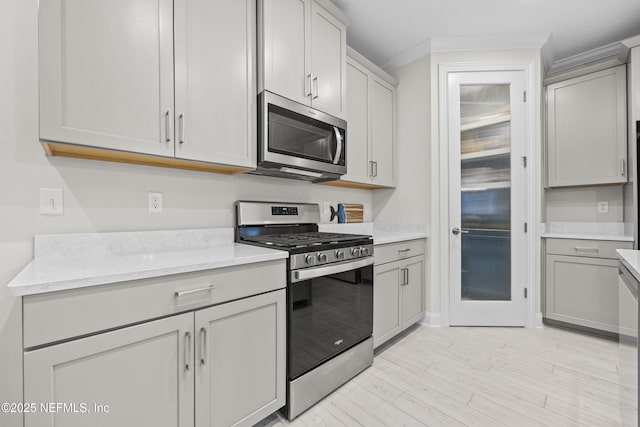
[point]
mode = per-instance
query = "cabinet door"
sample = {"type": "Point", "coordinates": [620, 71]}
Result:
{"type": "Point", "coordinates": [413, 292]}
{"type": "Point", "coordinates": [215, 81]}
{"type": "Point", "coordinates": [138, 375]}
{"type": "Point", "coordinates": [582, 291]}
{"type": "Point", "coordinates": [387, 302]}
{"type": "Point", "coordinates": [106, 74]}
{"type": "Point", "coordinates": [587, 129]}
{"type": "Point", "coordinates": [627, 306]}
{"type": "Point", "coordinates": [358, 166]}
{"type": "Point", "coordinates": [240, 358]}
{"type": "Point", "coordinates": [382, 117]}
{"type": "Point", "coordinates": [328, 62]}
{"type": "Point", "coordinates": [286, 35]}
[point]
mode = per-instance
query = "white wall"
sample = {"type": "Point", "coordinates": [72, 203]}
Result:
{"type": "Point", "coordinates": [98, 196]}
{"type": "Point", "coordinates": [580, 204]}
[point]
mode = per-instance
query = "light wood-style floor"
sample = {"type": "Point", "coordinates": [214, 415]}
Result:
{"type": "Point", "coordinates": [486, 377]}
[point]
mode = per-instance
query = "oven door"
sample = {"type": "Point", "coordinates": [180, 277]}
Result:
{"type": "Point", "coordinates": [330, 310]}
{"type": "Point", "coordinates": [295, 135]}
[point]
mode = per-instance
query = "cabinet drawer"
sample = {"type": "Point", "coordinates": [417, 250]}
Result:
{"type": "Point", "coordinates": [586, 248]}
{"type": "Point", "coordinates": [395, 251]}
{"type": "Point", "coordinates": [66, 314]}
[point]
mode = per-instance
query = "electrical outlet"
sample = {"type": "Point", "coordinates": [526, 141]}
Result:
{"type": "Point", "coordinates": [154, 202]}
{"type": "Point", "coordinates": [51, 201]}
{"type": "Point", "coordinates": [603, 207]}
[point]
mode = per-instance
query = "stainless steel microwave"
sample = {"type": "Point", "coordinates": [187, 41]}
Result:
{"type": "Point", "coordinates": [296, 141]}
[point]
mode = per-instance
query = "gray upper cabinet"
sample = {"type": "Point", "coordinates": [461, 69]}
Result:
{"type": "Point", "coordinates": [302, 52]}
{"type": "Point", "coordinates": [586, 130]}
{"type": "Point", "coordinates": [97, 87]}
{"type": "Point", "coordinates": [371, 124]}
{"type": "Point", "coordinates": [168, 78]}
{"type": "Point", "coordinates": [216, 91]}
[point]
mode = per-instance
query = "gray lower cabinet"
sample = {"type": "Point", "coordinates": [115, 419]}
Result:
{"type": "Point", "coordinates": [137, 375]}
{"type": "Point", "coordinates": [398, 290]}
{"type": "Point", "coordinates": [226, 361]}
{"type": "Point", "coordinates": [582, 283]}
{"type": "Point", "coordinates": [240, 358]}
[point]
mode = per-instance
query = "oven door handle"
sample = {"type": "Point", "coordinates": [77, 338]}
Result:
{"type": "Point", "coordinates": [312, 273]}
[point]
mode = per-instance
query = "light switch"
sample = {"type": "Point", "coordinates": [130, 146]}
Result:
{"type": "Point", "coordinates": [51, 202]}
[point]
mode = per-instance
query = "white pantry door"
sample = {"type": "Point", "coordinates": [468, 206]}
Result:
{"type": "Point", "coordinates": [487, 257]}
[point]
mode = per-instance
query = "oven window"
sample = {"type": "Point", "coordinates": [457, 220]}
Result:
{"type": "Point", "coordinates": [296, 135]}
{"type": "Point", "coordinates": [328, 315]}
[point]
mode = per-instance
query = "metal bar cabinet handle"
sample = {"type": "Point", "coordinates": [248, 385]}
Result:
{"type": "Point", "coordinates": [203, 348]}
{"type": "Point", "coordinates": [193, 291]}
{"type": "Point", "coordinates": [187, 350]}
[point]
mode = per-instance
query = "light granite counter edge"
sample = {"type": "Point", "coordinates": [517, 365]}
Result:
{"type": "Point", "coordinates": [24, 283]}
{"type": "Point", "coordinates": [630, 258]}
{"type": "Point", "coordinates": [612, 238]}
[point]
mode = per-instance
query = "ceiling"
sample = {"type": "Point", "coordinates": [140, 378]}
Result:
{"type": "Point", "coordinates": [382, 30]}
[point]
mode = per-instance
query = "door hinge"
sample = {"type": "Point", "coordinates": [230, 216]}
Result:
{"type": "Point", "coordinates": [524, 161]}
{"type": "Point", "coordinates": [524, 96]}
{"type": "Point", "coordinates": [525, 292]}
{"type": "Point", "coordinates": [526, 227]}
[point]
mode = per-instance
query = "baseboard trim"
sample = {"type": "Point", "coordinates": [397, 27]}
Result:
{"type": "Point", "coordinates": [538, 323]}
{"type": "Point", "coordinates": [431, 319]}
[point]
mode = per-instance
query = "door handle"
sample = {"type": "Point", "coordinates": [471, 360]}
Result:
{"type": "Point", "coordinates": [308, 92]}
{"type": "Point", "coordinates": [457, 231]}
{"type": "Point", "coordinates": [375, 169]}
{"type": "Point", "coordinates": [203, 347]}
{"type": "Point", "coordinates": [167, 126]}
{"type": "Point", "coordinates": [315, 86]}
{"type": "Point", "coordinates": [181, 129]}
{"type": "Point", "coordinates": [405, 276]}
{"type": "Point", "coordinates": [187, 350]}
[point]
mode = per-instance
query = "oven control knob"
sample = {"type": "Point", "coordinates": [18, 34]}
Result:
{"type": "Point", "coordinates": [364, 251]}
{"type": "Point", "coordinates": [322, 257]}
{"type": "Point", "coordinates": [310, 259]}
{"type": "Point", "coordinates": [340, 254]}
{"type": "Point", "coordinates": [356, 251]}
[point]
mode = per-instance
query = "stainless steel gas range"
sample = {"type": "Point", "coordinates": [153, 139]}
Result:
{"type": "Point", "coordinates": [329, 297]}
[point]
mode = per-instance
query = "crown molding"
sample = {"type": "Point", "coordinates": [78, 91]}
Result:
{"type": "Point", "coordinates": [456, 44]}
{"type": "Point", "coordinates": [408, 56]}
{"type": "Point", "coordinates": [493, 42]}
{"type": "Point", "coordinates": [358, 57]}
{"type": "Point", "coordinates": [599, 54]}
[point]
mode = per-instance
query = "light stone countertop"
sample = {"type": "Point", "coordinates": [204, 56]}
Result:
{"type": "Point", "coordinates": [631, 259]}
{"type": "Point", "coordinates": [382, 233]}
{"type": "Point", "coordinates": [73, 261]}
{"type": "Point", "coordinates": [613, 231]}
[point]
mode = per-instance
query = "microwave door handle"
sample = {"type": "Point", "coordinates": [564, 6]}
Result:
{"type": "Point", "coordinates": [339, 144]}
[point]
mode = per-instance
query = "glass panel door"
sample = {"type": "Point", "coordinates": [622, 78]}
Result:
{"type": "Point", "coordinates": [486, 188]}
{"type": "Point", "coordinates": [485, 156]}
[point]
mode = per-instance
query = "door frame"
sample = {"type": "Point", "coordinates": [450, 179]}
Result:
{"type": "Point", "coordinates": [532, 176]}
